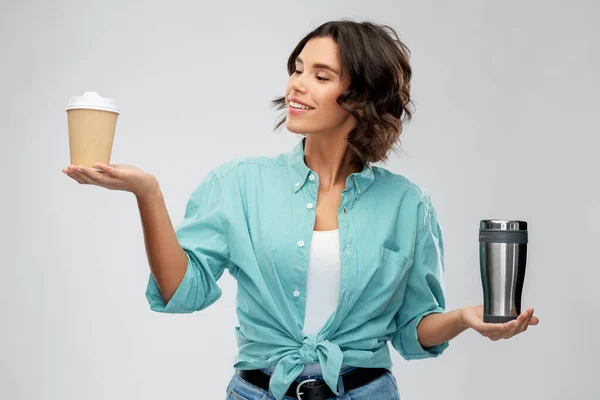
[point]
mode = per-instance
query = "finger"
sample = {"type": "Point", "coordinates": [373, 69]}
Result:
{"type": "Point", "coordinates": [514, 323]}
{"type": "Point", "coordinates": [526, 323]}
{"type": "Point", "coordinates": [77, 176]}
{"type": "Point", "coordinates": [525, 316]}
{"type": "Point", "coordinates": [105, 168]}
{"type": "Point", "coordinates": [92, 176]}
{"type": "Point", "coordinates": [82, 172]}
{"type": "Point", "coordinates": [509, 325]}
{"type": "Point", "coordinates": [523, 321]}
{"type": "Point", "coordinates": [533, 320]}
{"type": "Point", "coordinates": [512, 331]}
{"type": "Point", "coordinates": [70, 171]}
{"type": "Point", "coordinates": [82, 178]}
{"type": "Point", "coordinates": [71, 174]}
{"type": "Point", "coordinates": [503, 330]}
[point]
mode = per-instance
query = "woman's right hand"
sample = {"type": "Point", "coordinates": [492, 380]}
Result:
{"type": "Point", "coordinates": [115, 177]}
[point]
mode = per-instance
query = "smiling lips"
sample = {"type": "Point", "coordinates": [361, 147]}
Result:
{"type": "Point", "coordinates": [296, 107]}
{"type": "Point", "coordinates": [295, 104]}
{"type": "Point", "coordinates": [298, 102]}
{"type": "Point", "coordinates": [297, 111]}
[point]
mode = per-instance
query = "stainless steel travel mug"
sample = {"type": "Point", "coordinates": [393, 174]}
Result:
{"type": "Point", "coordinates": [502, 259]}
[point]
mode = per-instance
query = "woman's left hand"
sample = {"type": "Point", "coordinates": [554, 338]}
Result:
{"type": "Point", "coordinates": [473, 318]}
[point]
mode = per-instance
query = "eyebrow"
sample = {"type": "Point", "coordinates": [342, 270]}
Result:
{"type": "Point", "coordinates": [319, 66]}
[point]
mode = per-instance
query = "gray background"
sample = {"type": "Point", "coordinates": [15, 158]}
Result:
{"type": "Point", "coordinates": [505, 94]}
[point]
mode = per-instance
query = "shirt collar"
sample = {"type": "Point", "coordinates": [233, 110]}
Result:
{"type": "Point", "coordinates": [299, 172]}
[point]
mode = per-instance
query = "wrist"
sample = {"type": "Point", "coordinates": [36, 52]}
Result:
{"type": "Point", "coordinates": [149, 192]}
{"type": "Point", "coordinates": [462, 320]}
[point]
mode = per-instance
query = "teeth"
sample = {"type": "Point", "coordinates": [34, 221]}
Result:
{"type": "Point", "coordinates": [298, 105]}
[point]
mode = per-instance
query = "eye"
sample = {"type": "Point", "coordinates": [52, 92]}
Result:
{"type": "Point", "coordinates": [318, 77]}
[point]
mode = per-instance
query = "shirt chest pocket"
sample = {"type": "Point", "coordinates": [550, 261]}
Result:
{"type": "Point", "coordinates": [402, 261]}
{"type": "Point", "coordinates": [385, 284]}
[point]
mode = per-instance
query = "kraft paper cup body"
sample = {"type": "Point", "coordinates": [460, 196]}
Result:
{"type": "Point", "coordinates": [92, 123]}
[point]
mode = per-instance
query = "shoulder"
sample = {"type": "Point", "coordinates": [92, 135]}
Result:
{"type": "Point", "coordinates": [402, 185]}
{"type": "Point", "coordinates": [411, 198]}
{"type": "Point", "coordinates": [241, 165]}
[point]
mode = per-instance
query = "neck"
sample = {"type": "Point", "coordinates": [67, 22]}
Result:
{"type": "Point", "coordinates": [331, 158]}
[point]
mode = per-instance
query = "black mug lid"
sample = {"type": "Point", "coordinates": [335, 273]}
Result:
{"type": "Point", "coordinates": [503, 225]}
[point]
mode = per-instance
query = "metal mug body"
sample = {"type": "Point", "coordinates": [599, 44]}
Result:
{"type": "Point", "coordinates": [502, 259]}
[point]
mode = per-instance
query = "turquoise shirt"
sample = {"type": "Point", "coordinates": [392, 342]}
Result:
{"type": "Point", "coordinates": [255, 217]}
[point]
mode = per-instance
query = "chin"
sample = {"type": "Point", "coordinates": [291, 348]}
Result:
{"type": "Point", "coordinates": [295, 127]}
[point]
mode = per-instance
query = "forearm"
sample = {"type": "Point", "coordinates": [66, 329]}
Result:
{"type": "Point", "coordinates": [438, 328]}
{"type": "Point", "coordinates": [167, 260]}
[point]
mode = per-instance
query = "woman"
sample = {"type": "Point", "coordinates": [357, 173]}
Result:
{"type": "Point", "coordinates": [333, 257]}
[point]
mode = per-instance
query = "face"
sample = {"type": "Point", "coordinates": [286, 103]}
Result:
{"type": "Point", "coordinates": [317, 83]}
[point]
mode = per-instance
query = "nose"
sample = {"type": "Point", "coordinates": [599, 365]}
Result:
{"type": "Point", "coordinates": [297, 84]}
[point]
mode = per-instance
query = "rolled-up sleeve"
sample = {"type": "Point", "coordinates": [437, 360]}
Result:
{"type": "Point", "coordinates": [202, 234]}
{"type": "Point", "coordinates": [424, 293]}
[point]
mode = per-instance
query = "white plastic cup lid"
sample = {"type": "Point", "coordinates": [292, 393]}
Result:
{"type": "Point", "coordinates": [91, 100]}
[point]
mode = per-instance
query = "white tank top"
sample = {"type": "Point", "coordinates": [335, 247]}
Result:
{"type": "Point", "coordinates": [322, 286]}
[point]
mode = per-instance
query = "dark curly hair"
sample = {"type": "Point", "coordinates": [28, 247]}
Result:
{"type": "Point", "coordinates": [377, 63]}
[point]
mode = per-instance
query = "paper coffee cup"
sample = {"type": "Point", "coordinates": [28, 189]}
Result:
{"type": "Point", "coordinates": [92, 122]}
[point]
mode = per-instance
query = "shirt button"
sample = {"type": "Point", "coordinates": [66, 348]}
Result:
{"type": "Point", "coordinates": [311, 177]}
{"type": "Point", "coordinates": [358, 190]}
{"type": "Point", "coordinates": [347, 295]}
{"type": "Point", "coordinates": [348, 249]}
{"type": "Point", "coordinates": [309, 206]}
{"type": "Point", "coordinates": [344, 210]}
{"type": "Point", "coordinates": [301, 243]}
{"type": "Point", "coordinates": [297, 184]}
{"type": "Point", "coordinates": [296, 293]}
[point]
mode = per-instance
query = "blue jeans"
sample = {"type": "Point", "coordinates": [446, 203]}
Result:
{"type": "Point", "coordinates": [384, 387]}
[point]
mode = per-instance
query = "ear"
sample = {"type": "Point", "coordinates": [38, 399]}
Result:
{"type": "Point", "coordinates": [358, 109]}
